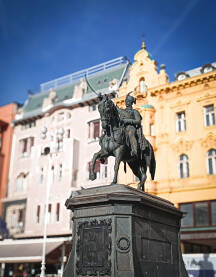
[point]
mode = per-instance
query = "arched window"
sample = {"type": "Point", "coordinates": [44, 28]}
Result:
{"type": "Point", "coordinates": [183, 166]}
{"type": "Point", "coordinates": [211, 161]}
{"type": "Point", "coordinates": [142, 85]}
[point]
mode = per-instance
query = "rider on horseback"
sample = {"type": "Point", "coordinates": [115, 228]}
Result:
{"type": "Point", "coordinates": [131, 119]}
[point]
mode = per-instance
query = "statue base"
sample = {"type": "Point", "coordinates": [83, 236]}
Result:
{"type": "Point", "coordinates": [121, 232]}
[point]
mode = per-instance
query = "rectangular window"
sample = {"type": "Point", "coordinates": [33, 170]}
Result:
{"type": "Point", "coordinates": [57, 212]}
{"type": "Point", "coordinates": [103, 168]}
{"type": "Point", "coordinates": [96, 126]}
{"type": "Point", "coordinates": [41, 175]}
{"type": "Point", "coordinates": [213, 212]}
{"type": "Point", "coordinates": [68, 133]}
{"type": "Point", "coordinates": [199, 214]}
{"type": "Point", "coordinates": [202, 214]}
{"type": "Point", "coordinates": [180, 122]}
{"type": "Point", "coordinates": [151, 129]}
{"type": "Point", "coordinates": [31, 142]}
{"type": "Point", "coordinates": [94, 129]}
{"type": "Point", "coordinates": [24, 145]}
{"type": "Point", "coordinates": [187, 220]}
{"type": "Point", "coordinates": [209, 115]}
{"type": "Point", "coordinates": [38, 214]}
{"type": "Point", "coordinates": [105, 171]}
{"type": "Point", "coordinates": [49, 213]}
{"type": "Point", "coordinates": [13, 219]}
{"type": "Point", "coordinates": [60, 172]}
{"type": "Point", "coordinates": [20, 216]}
{"type": "Point", "coordinates": [76, 148]}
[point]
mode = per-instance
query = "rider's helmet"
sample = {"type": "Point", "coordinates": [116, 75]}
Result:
{"type": "Point", "coordinates": [130, 98]}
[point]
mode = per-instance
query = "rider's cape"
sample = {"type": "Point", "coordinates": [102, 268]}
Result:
{"type": "Point", "coordinates": [146, 151]}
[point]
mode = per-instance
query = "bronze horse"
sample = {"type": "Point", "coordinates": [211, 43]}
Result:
{"type": "Point", "coordinates": [113, 142]}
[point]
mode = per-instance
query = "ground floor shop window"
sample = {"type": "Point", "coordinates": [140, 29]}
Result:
{"type": "Point", "coordinates": [199, 214]}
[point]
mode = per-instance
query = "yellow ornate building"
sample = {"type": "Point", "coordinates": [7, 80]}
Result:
{"type": "Point", "coordinates": [179, 121]}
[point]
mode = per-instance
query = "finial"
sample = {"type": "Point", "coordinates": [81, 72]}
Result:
{"type": "Point", "coordinates": [143, 43]}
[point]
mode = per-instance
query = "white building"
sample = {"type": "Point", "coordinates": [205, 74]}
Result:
{"type": "Point", "coordinates": [63, 118]}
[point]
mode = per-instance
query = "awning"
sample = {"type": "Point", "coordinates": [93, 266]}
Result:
{"type": "Point", "coordinates": [29, 250]}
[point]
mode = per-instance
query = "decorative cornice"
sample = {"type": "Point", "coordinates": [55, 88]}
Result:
{"type": "Point", "coordinates": [186, 83]}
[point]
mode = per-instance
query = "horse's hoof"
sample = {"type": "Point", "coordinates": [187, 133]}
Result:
{"type": "Point", "coordinates": [140, 187]}
{"type": "Point", "coordinates": [92, 176]}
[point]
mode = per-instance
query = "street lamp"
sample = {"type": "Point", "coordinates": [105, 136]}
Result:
{"type": "Point", "coordinates": [47, 151]}
{"type": "Point", "coordinates": [43, 262]}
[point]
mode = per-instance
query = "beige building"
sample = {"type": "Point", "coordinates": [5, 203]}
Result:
{"type": "Point", "coordinates": [179, 121]}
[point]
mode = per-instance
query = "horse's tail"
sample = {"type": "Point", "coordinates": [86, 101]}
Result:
{"type": "Point", "coordinates": [125, 168]}
{"type": "Point", "coordinates": [152, 165]}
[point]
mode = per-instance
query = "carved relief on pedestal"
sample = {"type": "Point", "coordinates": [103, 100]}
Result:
{"type": "Point", "coordinates": [94, 247]}
{"type": "Point", "coordinates": [209, 141]}
{"type": "Point", "coordinates": [182, 146]}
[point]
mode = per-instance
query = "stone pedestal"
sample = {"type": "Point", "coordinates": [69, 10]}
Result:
{"type": "Point", "coordinates": [121, 232]}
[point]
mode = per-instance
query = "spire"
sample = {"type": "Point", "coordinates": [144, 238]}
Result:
{"type": "Point", "coordinates": [143, 43]}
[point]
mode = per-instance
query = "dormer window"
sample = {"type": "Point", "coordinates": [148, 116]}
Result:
{"type": "Point", "coordinates": [181, 76]}
{"type": "Point", "coordinates": [207, 68]}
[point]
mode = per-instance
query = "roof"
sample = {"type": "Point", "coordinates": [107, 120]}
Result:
{"type": "Point", "coordinates": [99, 81]}
{"type": "Point", "coordinates": [147, 106]}
{"type": "Point", "coordinates": [196, 71]}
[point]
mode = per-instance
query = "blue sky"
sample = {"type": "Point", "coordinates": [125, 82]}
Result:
{"type": "Point", "coordinates": [42, 40]}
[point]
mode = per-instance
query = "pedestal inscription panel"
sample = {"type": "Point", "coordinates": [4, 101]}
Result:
{"type": "Point", "coordinates": [94, 247]}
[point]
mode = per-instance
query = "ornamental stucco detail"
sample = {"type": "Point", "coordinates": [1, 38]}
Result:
{"type": "Point", "coordinates": [182, 146]}
{"type": "Point", "coordinates": [209, 141]}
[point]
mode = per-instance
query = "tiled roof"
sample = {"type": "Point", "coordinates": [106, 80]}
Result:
{"type": "Point", "coordinates": [99, 81]}
{"type": "Point", "coordinates": [197, 71]}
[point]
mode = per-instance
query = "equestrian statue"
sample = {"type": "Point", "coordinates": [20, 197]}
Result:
{"type": "Point", "coordinates": [123, 138]}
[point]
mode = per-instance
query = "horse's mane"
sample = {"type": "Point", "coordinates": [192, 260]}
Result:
{"type": "Point", "coordinates": [107, 103]}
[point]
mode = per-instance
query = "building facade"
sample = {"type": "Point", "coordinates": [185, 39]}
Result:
{"type": "Point", "coordinates": [7, 114]}
{"type": "Point", "coordinates": [56, 133]}
{"type": "Point", "coordinates": [179, 121]}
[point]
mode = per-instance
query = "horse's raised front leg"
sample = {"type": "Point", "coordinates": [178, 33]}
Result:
{"type": "Point", "coordinates": [92, 174]}
{"type": "Point", "coordinates": [118, 159]}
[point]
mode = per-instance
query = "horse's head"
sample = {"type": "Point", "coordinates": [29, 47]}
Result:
{"type": "Point", "coordinates": [107, 111]}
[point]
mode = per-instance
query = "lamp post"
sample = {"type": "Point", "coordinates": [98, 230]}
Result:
{"type": "Point", "coordinates": [47, 151]}
{"type": "Point", "coordinates": [43, 263]}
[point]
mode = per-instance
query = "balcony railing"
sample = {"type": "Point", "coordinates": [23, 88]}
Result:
{"type": "Point", "coordinates": [62, 81]}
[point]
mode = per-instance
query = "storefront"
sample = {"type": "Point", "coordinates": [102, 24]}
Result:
{"type": "Point", "coordinates": [22, 258]}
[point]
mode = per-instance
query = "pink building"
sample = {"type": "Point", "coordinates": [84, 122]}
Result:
{"type": "Point", "coordinates": [64, 118]}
